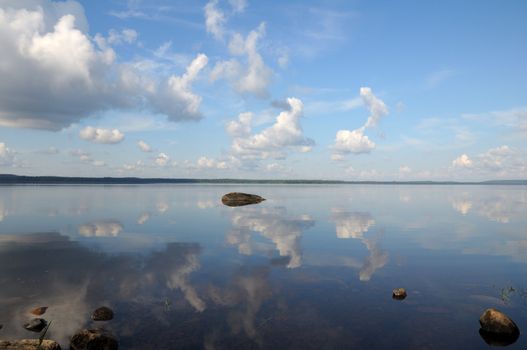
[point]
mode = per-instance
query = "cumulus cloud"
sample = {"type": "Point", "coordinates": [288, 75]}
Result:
{"type": "Point", "coordinates": [254, 76]}
{"type": "Point", "coordinates": [110, 228]}
{"type": "Point", "coordinates": [86, 157]}
{"type": "Point", "coordinates": [209, 163]}
{"type": "Point", "coordinates": [355, 141]}
{"type": "Point", "coordinates": [54, 74]}
{"type": "Point", "coordinates": [7, 156]}
{"type": "Point", "coordinates": [214, 19]}
{"type": "Point", "coordinates": [273, 142]}
{"type": "Point", "coordinates": [162, 159]}
{"type": "Point", "coordinates": [502, 161]}
{"type": "Point", "coordinates": [143, 146]}
{"type": "Point", "coordinates": [98, 135]}
{"type": "Point", "coordinates": [463, 161]}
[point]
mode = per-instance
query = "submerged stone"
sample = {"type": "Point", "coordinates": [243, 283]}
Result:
{"type": "Point", "coordinates": [494, 339]}
{"type": "Point", "coordinates": [36, 325]}
{"type": "Point", "coordinates": [29, 344]}
{"type": "Point", "coordinates": [399, 293]}
{"type": "Point", "coordinates": [39, 311]}
{"type": "Point", "coordinates": [496, 322]}
{"type": "Point", "coordinates": [237, 199]}
{"type": "Point", "coordinates": [93, 339]}
{"type": "Point", "coordinates": [102, 314]}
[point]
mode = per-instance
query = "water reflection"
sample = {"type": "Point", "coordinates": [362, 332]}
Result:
{"type": "Point", "coordinates": [50, 269]}
{"type": "Point", "coordinates": [355, 225]}
{"type": "Point", "coordinates": [272, 223]}
{"type": "Point", "coordinates": [501, 207]}
{"type": "Point", "coordinates": [107, 228]}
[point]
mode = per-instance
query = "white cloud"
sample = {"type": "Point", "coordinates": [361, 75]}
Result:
{"type": "Point", "coordinates": [126, 35]}
{"type": "Point", "coordinates": [375, 105]}
{"type": "Point", "coordinates": [463, 161]}
{"type": "Point", "coordinates": [254, 77]}
{"type": "Point", "coordinates": [7, 155]}
{"type": "Point", "coordinates": [436, 78]}
{"type": "Point", "coordinates": [355, 141]}
{"type": "Point", "coordinates": [110, 228]}
{"type": "Point", "coordinates": [143, 146]}
{"type": "Point", "coordinates": [238, 5]}
{"type": "Point", "coordinates": [273, 142]}
{"type": "Point", "coordinates": [54, 74]}
{"type": "Point", "coordinates": [162, 159]}
{"type": "Point", "coordinates": [352, 142]}
{"type": "Point", "coordinates": [240, 127]}
{"type": "Point", "coordinates": [86, 157]}
{"type": "Point", "coordinates": [214, 19]}
{"type": "Point", "coordinates": [502, 161]}
{"type": "Point", "coordinates": [404, 170]}
{"type": "Point", "coordinates": [175, 98]}
{"type": "Point", "coordinates": [98, 135]}
{"type": "Point", "coordinates": [144, 218]}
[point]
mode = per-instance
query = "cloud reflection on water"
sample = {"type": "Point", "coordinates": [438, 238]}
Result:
{"type": "Point", "coordinates": [272, 223]}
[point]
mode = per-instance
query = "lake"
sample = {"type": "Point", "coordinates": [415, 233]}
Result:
{"type": "Point", "coordinates": [312, 267]}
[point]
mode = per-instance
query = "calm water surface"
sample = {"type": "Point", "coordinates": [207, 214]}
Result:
{"type": "Point", "coordinates": [312, 267]}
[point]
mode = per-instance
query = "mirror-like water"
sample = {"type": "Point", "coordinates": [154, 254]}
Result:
{"type": "Point", "coordinates": [312, 267]}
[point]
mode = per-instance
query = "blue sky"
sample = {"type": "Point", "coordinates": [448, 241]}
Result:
{"type": "Point", "coordinates": [352, 90]}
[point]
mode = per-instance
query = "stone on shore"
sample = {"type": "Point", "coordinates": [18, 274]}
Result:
{"type": "Point", "coordinates": [36, 325]}
{"type": "Point", "coordinates": [93, 339]}
{"type": "Point", "coordinates": [29, 344]}
{"type": "Point", "coordinates": [237, 199]}
{"type": "Point", "coordinates": [39, 311]}
{"type": "Point", "coordinates": [102, 314]}
{"type": "Point", "coordinates": [399, 293]}
{"type": "Point", "coordinates": [496, 322]}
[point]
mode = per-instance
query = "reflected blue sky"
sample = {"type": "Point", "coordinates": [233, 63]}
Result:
{"type": "Point", "coordinates": [173, 257]}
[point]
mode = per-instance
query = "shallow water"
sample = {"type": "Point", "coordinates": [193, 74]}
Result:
{"type": "Point", "coordinates": [312, 267]}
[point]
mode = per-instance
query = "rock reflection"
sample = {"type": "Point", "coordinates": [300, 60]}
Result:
{"type": "Point", "coordinates": [108, 228]}
{"type": "Point", "coordinates": [272, 223]}
{"type": "Point", "coordinates": [355, 225]}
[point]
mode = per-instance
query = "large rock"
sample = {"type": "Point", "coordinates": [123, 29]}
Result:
{"type": "Point", "coordinates": [36, 325]}
{"type": "Point", "coordinates": [39, 311]}
{"type": "Point", "coordinates": [237, 199]}
{"type": "Point", "coordinates": [496, 322]}
{"type": "Point", "coordinates": [102, 314]}
{"type": "Point", "coordinates": [28, 344]}
{"type": "Point", "coordinates": [93, 339]}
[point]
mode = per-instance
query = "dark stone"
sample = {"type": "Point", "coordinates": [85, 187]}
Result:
{"type": "Point", "coordinates": [496, 322]}
{"type": "Point", "coordinates": [399, 293]}
{"type": "Point", "coordinates": [39, 311]}
{"type": "Point", "coordinates": [36, 325]}
{"type": "Point", "coordinates": [237, 199]}
{"type": "Point", "coordinates": [494, 339]}
{"type": "Point", "coordinates": [1, 326]}
{"type": "Point", "coordinates": [93, 339]}
{"type": "Point", "coordinates": [29, 344]}
{"type": "Point", "coordinates": [102, 314]}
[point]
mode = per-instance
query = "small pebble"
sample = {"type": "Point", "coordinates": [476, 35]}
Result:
{"type": "Point", "coordinates": [39, 311]}
{"type": "Point", "coordinates": [102, 314]}
{"type": "Point", "coordinates": [36, 325]}
{"type": "Point", "coordinates": [399, 293]}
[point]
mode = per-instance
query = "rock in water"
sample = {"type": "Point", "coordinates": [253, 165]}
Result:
{"type": "Point", "coordinates": [496, 322]}
{"type": "Point", "coordinates": [93, 339]}
{"type": "Point", "coordinates": [399, 293]}
{"type": "Point", "coordinates": [36, 325]}
{"type": "Point", "coordinates": [39, 311]}
{"type": "Point", "coordinates": [237, 199]}
{"type": "Point", "coordinates": [102, 314]}
{"type": "Point", "coordinates": [29, 344]}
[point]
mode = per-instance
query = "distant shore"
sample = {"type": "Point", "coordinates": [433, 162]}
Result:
{"type": "Point", "coordinates": [8, 179]}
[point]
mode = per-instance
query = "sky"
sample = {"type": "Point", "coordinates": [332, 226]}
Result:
{"type": "Point", "coordinates": [347, 90]}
